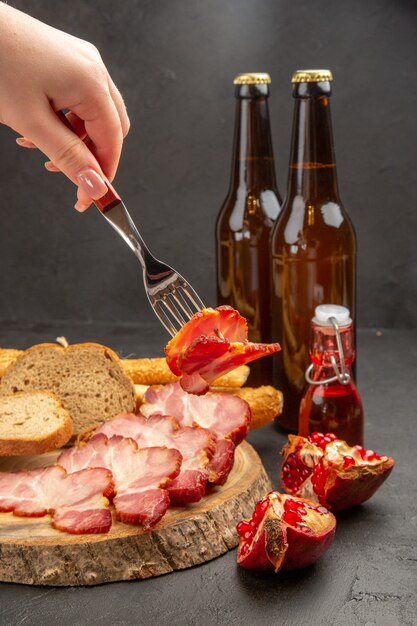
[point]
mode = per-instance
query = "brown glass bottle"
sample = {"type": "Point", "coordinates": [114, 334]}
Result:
{"type": "Point", "coordinates": [245, 221]}
{"type": "Point", "coordinates": [313, 245]}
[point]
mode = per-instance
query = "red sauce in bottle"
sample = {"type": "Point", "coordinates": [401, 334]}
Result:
{"type": "Point", "coordinates": [331, 402]}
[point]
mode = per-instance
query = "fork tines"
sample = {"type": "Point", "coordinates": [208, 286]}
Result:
{"type": "Point", "coordinates": [176, 305]}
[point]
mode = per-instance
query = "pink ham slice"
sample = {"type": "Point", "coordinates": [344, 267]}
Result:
{"type": "Point", "coordinates": [75, 501]}
{"type": "Point", "coordinates": [139, 475]}
{"type": "Point", "coordinates": [212, 343]}
{"type": "Point", "coordinates": [196, 445]}
{"type": "Point", "coordinates": [227, 416]}
{"type": "Point", "coordinates": [222, 462]}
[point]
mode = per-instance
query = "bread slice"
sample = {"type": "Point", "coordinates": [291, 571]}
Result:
{"type": "Point", "coordinates": [88, 379]}
{"type": "Point", "coordinates": [32, 422]}
{"type": "Point", "coordinates": [7, 356]}
{"type": "Point", "coordinates": [148, 371]}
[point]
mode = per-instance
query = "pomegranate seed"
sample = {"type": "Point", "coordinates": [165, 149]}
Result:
{"type": "Point", "coordinates": [304, 528]}
{"type": "Point", "coordinates": [242, 527]}
{"type": "Point", "coordinates": [314, 437]}
{"type": "Point", "coordinates": [347, 461]}
{"type": "Point", "coordinates": [260, 508]}
{"type": "Point", "coordinates": [294, 472]}
{"type": "Point", "coordinates": [247, 528]}
{"type": "Point", "coordinates": [321, 440]}
{"type": "Point", "coordinates": [318, 480]}
{"type": "Point", "coordinates": [360, 450]}
{"type": "Point", "coordinates": [372, 456]}
{"type": "Point", "coordinates": [291, 505]}
{"type": "Point", "coordinates": [292, 517]}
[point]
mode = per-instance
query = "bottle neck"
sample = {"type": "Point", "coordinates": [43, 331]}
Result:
{"type": "Point", "coordinates": [253, 159]}
{"type": "Point", "coordinates": [312, 167]}
{"type": "Point", "coordinates": [324, 346]}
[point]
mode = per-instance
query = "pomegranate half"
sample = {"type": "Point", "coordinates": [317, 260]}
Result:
{"type": "Point", "coordinates": [284, 532]}
{"type": "Point", "coordinates": [327, 470]}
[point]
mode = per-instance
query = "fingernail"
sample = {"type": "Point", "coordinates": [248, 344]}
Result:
{"type": "Point", "coordinates": [24, 143]}
{"type": "Point", "coordinates": [48, 165]}
{"type": "Point", "coordinates": [92, 183]}
{"type": "Point", "coordinates": [80, 207]}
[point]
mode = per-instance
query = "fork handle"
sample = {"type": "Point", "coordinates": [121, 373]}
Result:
{"type": "Point", "coordinates": [121, 220]}
{"type": "Point", "coordinates": [106, 202]}
{"type": "Point", "coordinates": [109, 200]}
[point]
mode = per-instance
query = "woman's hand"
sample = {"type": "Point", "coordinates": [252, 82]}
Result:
{"type": "Point", "coordinates": [44, 70]}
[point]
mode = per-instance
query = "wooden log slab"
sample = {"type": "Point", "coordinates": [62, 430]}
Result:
{"type": "Point", "coordinates": [33, 552]}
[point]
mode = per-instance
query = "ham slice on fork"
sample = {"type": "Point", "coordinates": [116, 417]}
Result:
{"type": "Point", "coordinates": [196, 445]}
{"type": "Point", "coordinates": [212, 343]}
{"type": "Point", "coordinates": [140, 476]}
{"type": "Point", "coordinates": [76, 501]}
{"type": "Point", "coordinates": [226, 416]}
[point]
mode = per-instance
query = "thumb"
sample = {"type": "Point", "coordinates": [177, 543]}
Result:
{"type": "Point", "coordinates": [68, 153]}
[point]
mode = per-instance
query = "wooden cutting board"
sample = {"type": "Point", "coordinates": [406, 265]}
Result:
{"type": "Point", "coordinates": [33, 552]}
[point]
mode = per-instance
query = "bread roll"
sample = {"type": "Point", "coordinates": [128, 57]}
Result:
{"type": "Point", "coordinates": [157, 372]}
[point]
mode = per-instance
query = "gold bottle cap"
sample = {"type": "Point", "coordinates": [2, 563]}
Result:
{"type": "Point", "coordinates": [253, 78]}
{"type": "Point", "coordinates": [311, 76]}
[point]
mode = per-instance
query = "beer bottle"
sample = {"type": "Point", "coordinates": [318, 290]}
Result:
{"type": "Point", "coordinates": [313, 245]}
{"type": "Point", "coordinates": [246, 218]}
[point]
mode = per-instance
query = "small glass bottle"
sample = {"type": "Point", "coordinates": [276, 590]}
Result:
{"type": "Point", "coordinates": [245, 221]}
{"type": "Point", "coordinates": [331, 402]}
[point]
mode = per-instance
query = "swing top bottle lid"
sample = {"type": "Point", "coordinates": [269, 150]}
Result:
{"type": "Point", "coordinates": [324, 312]}
{"type": "Point", "coordinates": [311, 76]}
{"type": "Point", "coordinates": [252, 78]}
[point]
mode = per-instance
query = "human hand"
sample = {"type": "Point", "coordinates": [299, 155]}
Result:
{"type": "Point", "coordinates": [43, 71]}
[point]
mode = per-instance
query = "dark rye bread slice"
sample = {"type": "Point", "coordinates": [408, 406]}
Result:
{"type": "Point", "coordinates": [32, 422]}
{"type": "Point", "coordinates": [88, 379]}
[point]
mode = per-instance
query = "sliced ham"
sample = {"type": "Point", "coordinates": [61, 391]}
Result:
{"type": "Point", "coordinates": [139, 475]}
{"type": "Point", "coordinates": [75, 501]}
{"type": "Point", "coordinates": [196, 445]}
{"type": "Point", "coordinates": [212, 343]}
{"type": "Point", "coordinates": [222, 462]}
{"type": "Point", "coordinates": [226, 416]}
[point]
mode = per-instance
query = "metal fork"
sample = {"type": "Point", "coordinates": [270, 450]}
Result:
{"type": "Point", "coordinates": [172, 298]}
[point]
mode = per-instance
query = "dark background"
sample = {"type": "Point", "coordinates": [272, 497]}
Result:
{"type": "Point", "coordinates": [174, 62]}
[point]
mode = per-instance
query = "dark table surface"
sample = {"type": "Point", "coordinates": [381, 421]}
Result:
{"type": "Point", "coordinates": [369, 575]}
